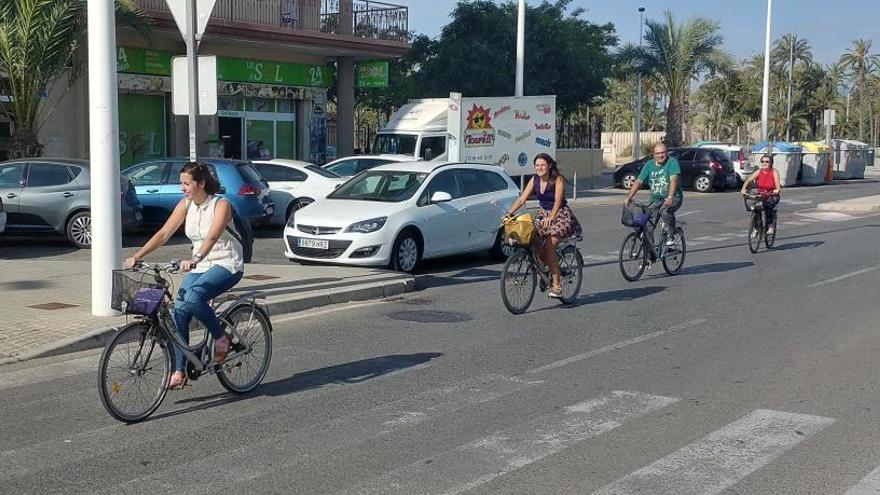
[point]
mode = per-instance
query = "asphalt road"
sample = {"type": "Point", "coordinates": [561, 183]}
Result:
{"type": "Point", "coordinates": [743, 374]}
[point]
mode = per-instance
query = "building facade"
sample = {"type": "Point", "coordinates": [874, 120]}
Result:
{"type": "Point", "coordinates": [275, 66]}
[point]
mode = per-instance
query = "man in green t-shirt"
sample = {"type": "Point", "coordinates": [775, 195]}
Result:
{"type": "Point", "coordinates": [663, 176]}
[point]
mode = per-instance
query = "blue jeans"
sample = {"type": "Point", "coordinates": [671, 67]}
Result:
{"type": "Point", "coordinates": [192, 301]}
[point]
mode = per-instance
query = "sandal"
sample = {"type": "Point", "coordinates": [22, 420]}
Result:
{"type": "Point", "coordinates": [221, 349]}
{"type": "Point", "coordinates": [555, 292]}
{"type": "Point", "coordinates": [178, 381]}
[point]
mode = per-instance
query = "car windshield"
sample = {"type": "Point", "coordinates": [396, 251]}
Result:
{"type": "Point", "coordinates": [322, 172]}
{"type": "Point", "coordinates": [396, 144]}
{"type": "Point", "coordinates": [381, 185]}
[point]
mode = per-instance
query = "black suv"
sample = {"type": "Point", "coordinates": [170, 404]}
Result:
{"type": "Point", "coordinates": [702, 169]}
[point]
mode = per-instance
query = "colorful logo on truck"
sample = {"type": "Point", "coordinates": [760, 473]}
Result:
{"type": "Point", "coordinates": [479, 131]}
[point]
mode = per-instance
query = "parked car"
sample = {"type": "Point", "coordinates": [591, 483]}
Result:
{"type": "Point", "coordinates": [2, 218]}
{"type": "Point", "coordinates": [54, 195]}
{"type": "Point", "coordinates": [738, 155]}
{"type": "Point", "coordinates": [702, 169]}
{"type": "Point", "coordinates": [294, 184]}
{"type": "Point", "coordinates": [353, 165]}
{"type": "Point", "coordinates": [157, 183]}
{"type": "Point", "coordinates": [399, 214]}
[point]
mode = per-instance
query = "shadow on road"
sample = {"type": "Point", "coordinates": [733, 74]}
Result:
{"type": "Point", "coordinates": [609, 296]}
{"type": "Point", "coordinates": [797, 245]}
{"type": "Point", "coordinates": [714, 268]}
{"type": "Point", "coordinates": [342, 374]}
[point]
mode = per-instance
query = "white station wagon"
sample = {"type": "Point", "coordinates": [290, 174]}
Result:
{"type": "Point", "coordinates": [400, 213]}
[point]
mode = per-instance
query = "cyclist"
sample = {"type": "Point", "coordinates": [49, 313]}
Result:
{"type": "Point", "coordinates": [766, 178]}
{"type": "Point", "coordinates": [216, 265]}
{"type": "Point", "coordinates": [664, 177]}
{"type": "Point", "coordinates": [555, 221]}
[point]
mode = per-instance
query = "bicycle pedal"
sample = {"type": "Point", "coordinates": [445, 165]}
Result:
{"type": "Point", "coordinates": [237, 347]}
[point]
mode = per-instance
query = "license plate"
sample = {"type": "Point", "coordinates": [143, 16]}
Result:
{"type": "Point", "coordinates": [313, 243]}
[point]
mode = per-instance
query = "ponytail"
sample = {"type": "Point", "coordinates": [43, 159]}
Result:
{"type": "Point", "coordinates": [201, 172]}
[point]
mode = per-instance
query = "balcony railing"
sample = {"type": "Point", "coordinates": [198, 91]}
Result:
{"type": "Point", "coordinates": [369, 19]}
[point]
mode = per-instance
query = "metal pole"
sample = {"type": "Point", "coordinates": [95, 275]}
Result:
{"type": "Point", "coordinates": [637, 141]}
{"type": "Point", "coordinates": [765, 100]}
{"type": "Point", "coordinates": [790, 75]}
{"type": "Point", "coordinates": [193, 63]}
{"type": "Point", "coordinates": [103, 153]}
{"type": "Point", "coordinates": [574, 192]}
{"type": "Point", "coordinates": [520, 46]}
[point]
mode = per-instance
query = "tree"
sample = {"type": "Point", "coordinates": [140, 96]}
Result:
{"type": "Point", "coordinates": [476, 54]}
{"type": "Point", "coordinates": [791, 47]}
{"type": "Point", "coordinates": [38, 50]}
{"type": "Point", "coordinates": [675, 55]}
{"type": "Point", "coordinates": [861, 64]}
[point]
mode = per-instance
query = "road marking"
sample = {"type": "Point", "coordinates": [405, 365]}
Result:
{"type": "Point", "coordinates": [795, 224]}
{"type": "Point", "coordinates": [599, 257]}
{"type": "Point", "coordinates": [868, 486]}
{"type": "Point", "coordinates": [722, 458]}
{"type": "Point", "coordinates": [798, 202]}
{"type": "Point", "coordinates": [616, 346]}
{"type": "Point", "coordinates": [695, 243]}
{"type": "Point", "coordinates": [679, 215]}
{"type": "Point", "coordinates": [843, 277]}
{"type": "Point", "coordinates": [710, 238]}
{"type": "Point", "coordinates": [471, 465]}
{"type": "Point", "coordinates": [830, 216]}
{"type": "Point", "coordinates": [341, 433]}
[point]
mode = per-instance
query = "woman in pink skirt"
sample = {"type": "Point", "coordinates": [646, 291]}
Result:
{"type": "Point", "coordinates": [555, 221]}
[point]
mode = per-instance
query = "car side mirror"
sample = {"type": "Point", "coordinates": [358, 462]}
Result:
{"type": "Point", "coordinates": [441, 197]}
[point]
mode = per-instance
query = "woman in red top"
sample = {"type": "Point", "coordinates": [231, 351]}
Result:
{"type": "Point", "coordinates": [766, 178]}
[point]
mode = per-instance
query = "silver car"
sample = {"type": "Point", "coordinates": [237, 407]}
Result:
{"type": "Point", "coordinates": [54, 195]}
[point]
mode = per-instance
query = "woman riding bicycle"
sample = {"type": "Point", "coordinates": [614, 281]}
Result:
{"type": "Point", "coordinates": [555, 220]}
{"type": "Point", "coordinates": [217, 263]}
{"type": "Point", "coordinates": [766, 178]}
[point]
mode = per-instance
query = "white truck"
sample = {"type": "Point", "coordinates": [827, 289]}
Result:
{"type": "Point", "coordinates": [504, 131]}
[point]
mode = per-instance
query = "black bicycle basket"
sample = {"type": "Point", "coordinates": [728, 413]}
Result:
{"type": "Point", "coordinates": [634, 216]}
{"type": "Point", "coordinates": [136, 292]}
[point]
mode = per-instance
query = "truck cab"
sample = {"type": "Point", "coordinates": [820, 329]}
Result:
{"type": "Point", "coordinates": [426, 145]}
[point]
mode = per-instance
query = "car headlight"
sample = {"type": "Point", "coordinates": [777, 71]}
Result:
{"type": "Point", "coordinates": [291, 222]}
{"type": "Point", "coordinates": [367, 226]}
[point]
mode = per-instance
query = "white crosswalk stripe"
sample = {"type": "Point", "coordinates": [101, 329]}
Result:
{"type": "Point", "coordinates": [868, 486]}
{"type": "Point", "coordinates": [338, 434]}
{"type": "Point", "coordinates": [724, 457]}
{"type": "Point", "coordinates": [490, 457]}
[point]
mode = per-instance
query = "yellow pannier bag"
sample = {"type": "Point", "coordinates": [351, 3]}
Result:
{"type": "Point", "coordinates": [520, 231]}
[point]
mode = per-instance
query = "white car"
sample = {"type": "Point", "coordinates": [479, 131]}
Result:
{"type": "Point", "coordinates": [401, 213]}
{"type": "Point", "coordinates": [738, 155]}
{"type": "Point", "coordinates": [353, 165]}
{"type": "Point", "coordinates": [294, 184]}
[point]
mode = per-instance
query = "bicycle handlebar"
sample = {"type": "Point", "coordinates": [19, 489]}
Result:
{"type": "Point", "coordinates": [171, 267]}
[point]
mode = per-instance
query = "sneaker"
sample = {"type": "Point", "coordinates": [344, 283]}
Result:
{"type": "Point", "coordinates": [670, 240]}
{"type": "Point", "coordinates": [555, 293]}
{"type": "Point", "coordinates": [771, 230]}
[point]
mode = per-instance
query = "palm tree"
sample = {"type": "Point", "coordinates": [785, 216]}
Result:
{"type": "Point", "coordinates": [790, 47]}
{"type": "Point", "coordinates": [861, 64]}
{"type": "Point", "coordinates": [674, 55]}
{"type": "Point", "coordinates": [38, 51]}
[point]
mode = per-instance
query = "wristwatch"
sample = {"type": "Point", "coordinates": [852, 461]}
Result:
{"type": "Point", "coordinates": [198, 257]}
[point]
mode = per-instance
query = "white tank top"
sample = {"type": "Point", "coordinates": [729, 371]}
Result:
{"type": "Point", "coordinates": [227, 251]}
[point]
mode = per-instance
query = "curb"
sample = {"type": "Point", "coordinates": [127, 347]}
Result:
{"type": "Point", "coordinates": [282, 306]}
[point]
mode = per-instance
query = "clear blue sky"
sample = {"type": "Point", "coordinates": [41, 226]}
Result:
{"type": "Point", "coordinates": [829, 25]}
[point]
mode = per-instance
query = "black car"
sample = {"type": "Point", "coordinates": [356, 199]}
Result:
{"type": "Point", "coordinates": [702, 169]}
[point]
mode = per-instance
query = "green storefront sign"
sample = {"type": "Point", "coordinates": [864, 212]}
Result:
{"type": "Point", "coordinates": [279, 73]}
{"type": "Point", "coordinates": [372, 74]}
{"type": "Point", "coordinates": [153, 62]}
{"type": "Point", "coordinates": [142, 61]}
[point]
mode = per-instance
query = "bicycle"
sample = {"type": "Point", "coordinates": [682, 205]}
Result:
{"type": "Point", "coordinates": [135, 367]}
{"type": "Point", "coordinates": [642, 248]}
{"type": "Point", "coordinates": [759, 228]}
{"type": "Point", "coordinates": [521, 271]}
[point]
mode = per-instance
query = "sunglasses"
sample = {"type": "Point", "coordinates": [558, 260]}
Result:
{"type": "Point", "coordinates": [765, 161]}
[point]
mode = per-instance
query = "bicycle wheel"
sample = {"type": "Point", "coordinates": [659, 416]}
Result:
{"type": "Point", "coordinates": [633, 257]}
{"type": "Point", "coordinates": [245, 369]}
{"type": "Point", "coordinates": [770, 239]}
{"type": "Point", "coordinates": [755, 232]}
{"type": "Point", "coordinates": [518, 282]}
{"type": "Point", "coordinates": [673, 260]}
{"type": "Point", "coordinates": [133, 373]}
{"type": "Point", "coordinates": [571, 268]}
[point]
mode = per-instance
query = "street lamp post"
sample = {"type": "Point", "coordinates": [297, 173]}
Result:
{"type": "Point", "coordinates": [520, 46]}
{"type": "Point", "coordinates": [104, 153]}
{"type": "Point", "coordinates": [637, 140]}
{"type": "Point", "coordinates": [790, 79]}
{"type": "Point", "coordinates": [765, 100]}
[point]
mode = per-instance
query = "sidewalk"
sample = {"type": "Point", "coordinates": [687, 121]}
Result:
{"type": "Point", "coordinates": [46, 307]}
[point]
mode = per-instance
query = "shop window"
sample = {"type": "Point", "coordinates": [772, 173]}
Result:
{"type": "Point", "coordinates": [260, 105]}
